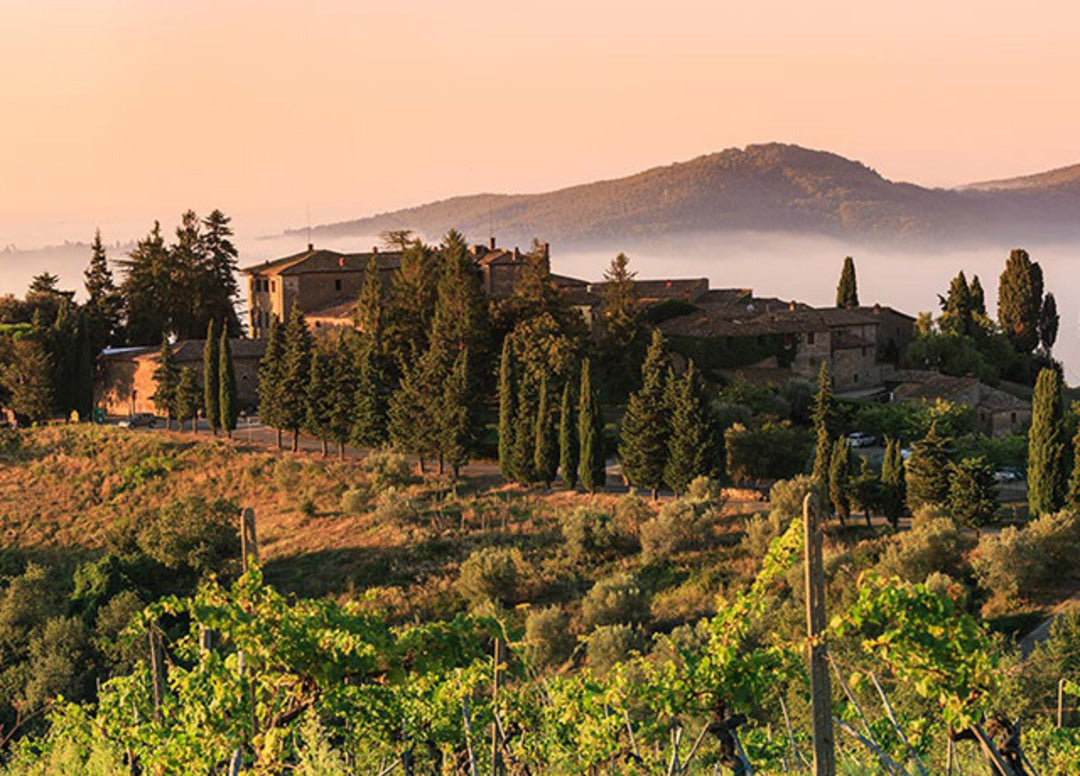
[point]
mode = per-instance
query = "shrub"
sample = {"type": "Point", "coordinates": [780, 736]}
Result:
{"type": "Point", "coordinates": [589, 532]}
{"type": "Point", "coordinates": [191, 534]}
{"type": "Point", "coordinates": [631, 512]}
{"type": "Point", "coordinates": [490, 576]}
{"type": "Point", "coordinates": [1015, 561]}
{"type": "Point", "coordinates": [138, 474]}
{"type": "Point", "coordinates": [932, 545]}
{"type": "Point", "coordinates": [387, 469]}
{"type": "Point", "coordinates": [704, 489]}
{"type": "Point", "coordinates": [786, 496]}
{"type": "Point", "coordinates": [615, 600]}
{"type": "Point", "coordinates": [612, 644]}
{"type": "Point", "coordinates": [287, 473]}
{"type": "Point", "coordinates": [681, 525]}
{"type": "Point", "coordinates": [760, 532]}
{"type": "Point", "coordinates": [308, 507]}
{"type": "Point", "coordinates": [548, 636]}
{"type": "Point", "coordinates": [353, 501]}
{"type": "Point", "coordinates": [60, 662]}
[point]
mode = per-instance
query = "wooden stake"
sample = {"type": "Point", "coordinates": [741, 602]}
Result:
{"type": "Point", "coordinates": [820, 690]}
{"type": "Point", "coordinates": [157, 671]}
{"type": "Point", "coordinates": [468, 736]}
{"type": "Point", "coordinates": [1061, 703]}
{"type": "Point", "coordinates": [499, 660]}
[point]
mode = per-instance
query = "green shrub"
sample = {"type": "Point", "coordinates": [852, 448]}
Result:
{"type": "Point", "coordinates": [704, 489]}
{"type": "Point", "coordinates": [287, 473]}
{"type": "Point", "coordinates": [589, 532]}
{"type": "Point", "coordinates": [191, 534]}
{"type": "Point", "coordinates": [353, 501]}
{"type": "Point", "coordinates": [1016, 561]}
{"type": "Point", "coordinates": [681, 525]}
{"type": "Point", "coordinates": [760, 532]}
{"type": "Point", "coordinates": [387, 469]}
{"type": "Point", "coordinates": [609, 645]}
{"type": "Point", "coordinates": [490, 576]}
{"type": "Point", "coordinates": [932, 545]}
{"type": "Point", "coordinates": [138, 474]}
{"type": "Point", "coordinates": [548, 637]}
{"type": "Point", "coordinates": [631, 512]}
{"type": "Point", "coordinates": [615, 600]}
{"type": "Point", "coordinates": [786, 496]}
{"type": "Point", "coordinates": [308, 507]}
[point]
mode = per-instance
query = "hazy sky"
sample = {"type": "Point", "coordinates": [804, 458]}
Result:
{"type": "Point", "coordinates": [118, 111]}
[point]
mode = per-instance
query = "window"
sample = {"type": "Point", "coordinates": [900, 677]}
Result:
{"type": "Point", "coordinates": [810, 338]}
{"type": "Point", "coordinates": [337, 284]}
{"type": "Point", "coordinates": [856, 377]}
{"type": "Point", "coordinates": [273, 286]}
{"type": "Point", "coordinates": [1012, 417]}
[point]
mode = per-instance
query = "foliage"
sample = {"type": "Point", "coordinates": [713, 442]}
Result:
{"type": "Point", "coordinates": [548, 637]}
{"type": "Point", "coordinates": [933, 545]}
{"type": "Point", "coordinates": [591, 466]}
{"type": "Point", "coordinates": [680, 525]}
{"type": "Point", "coordinates": [693, 444]}
{"type": "Point", "coordinates": [1046, 447]}
{"type": "Point", "coordinates": [1020, 293]}
{"type": "Point", "coordinates": [1017, 561]}
{"type": "Point", "coordinates": [615, 600]}
{"type": "Point", "coordinates": [927, 479]}
{"type": "Point", "coordinates": [589, 532]}
{"type": "Point", "coordinates": [847, 294]}
{"type": "Point", "coordinates": [490, 576]}
{"type": "Point", "coordinates": [212, 377]}
{"type": "Point", "coordinates": [972, 500]}
{"type": "Point", "coordinates": [646, 424]}
{"type": "Point", "coordinates": [609, 645]}
{"type": "Point", "coordinates": [569, 450]}
{"type": "Point", "coordinates": [772, 452]}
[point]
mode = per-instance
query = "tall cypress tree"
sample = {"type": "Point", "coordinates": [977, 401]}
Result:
{"type": "Point", "coordinates": [455, 419]}
{"type": "Point", "coordinates": [1046, 448]}
{"type": "Point", "coordinates": [1049, 320]}
{"type": "Point", "coordinates": [212, 378]}
{"type": "Point", "coordinates": [295, 374]}
{"type": "Point", "coordinates": [228, 401]}
{"type": "Point", "coordinates": [1072, 499]}
{"type": "Point", "coordinates": [188, 398]}
{"type": "Point", "coordinates": [847, 292]}
{"type": "Point", "coordinates": [318, 407]}
{"type": "Point", "coordinates": [978, 297]}
{"type": "Point", "coordinates": [370, 397]}
{"type": "Point", "coordinates": [522, 452]}
{"type": "Point", "coordinates": [506, 409]}
{"type": "Point", "coordinates": [927, 471]}
{"type": "Point", "coordinates": [893, 482]}
{"type": "Point", "coordinates": [646, 425]}
{"type": "Point", "coordinates": [590, 431]}
{"type": "Point", "coordinates": [545, 450]}
{"type": "Point", "coordinates": [341, 398]}
{"type": "Point", "coordinates": [414, 411]}
{"type": "Point", "coordinates": [568, 438]}
{"type": "Point", "coordinates": [218, 271]}
{"type": "Point", "coordinates": [369, 305]}
{"type": "Point", "coordinates": [1020, 301]}
{"type": "Point", "coordinates": [823, 417]}
{"type": "Point", "coordinates": [690, 442]}
{"type": "Point", "coordinates": [840, 479]}
{"type": "Point", "coordinates": [957, 309]}
{"type": "Point", "coordinates": [271, 369]}
{"type": "Point", "coordinates": [166, 381]}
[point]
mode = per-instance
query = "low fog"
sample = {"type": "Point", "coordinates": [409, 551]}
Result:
{"type": "Point", "coordinates": [801, 268]}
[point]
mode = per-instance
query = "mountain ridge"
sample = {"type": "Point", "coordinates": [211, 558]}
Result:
{"type": "Point", "coordinates": [767, 187]}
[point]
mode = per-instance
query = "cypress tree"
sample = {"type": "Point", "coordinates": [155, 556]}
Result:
{"type": "Point", "coordinates": [270, 373]}
{"type": "Point", "coordinates": [212, 378]}
{"type": "Point", "coordinates": [456, 422]}
{"type": "Point", "coordinates": [341, 400]}
{"type": "Point", "coordinates": [823, 414]}
{"type": "Point", "coordinates": [646, 425]}
{"type": "Point", "coordinates": [957, 315]}
{"type": "Point", "coordinates": [506, 409]}
{"type": "Point", "coordinates": [1020, 301]}
{"type": "Point", "coordinates": [228, 401]}
{"type": "Point", "coordinates": [619, 303]}
{"type": "Point", "coordinates": [546, 453]}
{"type": "Point", "coordinates": [167, 381]}
{"type": "Point", "coordinates": [370, 398]}
{"type": "Point", "coordinates": [690, 442]}
{"type": "Point", "coordinates": [522, 452]}
{"type": "Point", "coordinates": [103, 303]}
{"type": "Point", "coordinates": [840, 479]}
{"type": "Point", "coordinates": [1046, 448]}
{"type": "Point", "coordinates": [295, 374]}
{"type": "Point", "coordinates": [1072, 500]}
{"type": "Point", "coordinates": [893, 482]}
{"type": "Point", "coordinates": [317, 407]}
{"type": "Point", "coordinates": [978, 297]}
{"type": "Point", "coordinates": [568, 439]}
{"type": "Point", "coordinates": [590, 432]}
{"type": "Point", "coordinates": [971, 492]}
{"type": "Point", "coordinates": [414, 407]}
{"type": "Point", "coordinates": [188, 398]}
{"type": "Point", "coordinates": [847, 292]}
{"type": "Point", "coordinates": [866, 489]}
{"type": "Point", "coordinates": [369, 305]}
{"type": "Point", "coordinates": [927, 471]}
{"type": "Point", "coordinates": [1049, 321]}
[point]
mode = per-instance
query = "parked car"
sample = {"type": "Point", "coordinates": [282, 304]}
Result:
{"type": "Point", "coordinates": [905, 453]}
{"type": "Point", "coordinates": [139, 419]}
{"type": "Point", "coordinates": [1008, 475]}
{"type": "Point", "coordinates": [859, 439]}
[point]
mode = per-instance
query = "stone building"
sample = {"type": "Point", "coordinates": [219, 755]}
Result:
{"type": "Point", "coordinates": [125, 380]}
{"type": "Point", "coordinates": [998, 413]}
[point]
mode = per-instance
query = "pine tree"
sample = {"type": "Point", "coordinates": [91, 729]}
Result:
{"type": "Point", "coordinates": [369, 306]}
{"type": "Point", "coordinates": [166, 382]}
{"type": "Point", "coordinates": [927, 471]}
{"type": "Point", "coordinates": [318, 406]}
{"type": "Point", "coordinates": [840, 479]}
{"type": "Point", "coordinates": [414, 407]}
{"type": "Point", "coordinates": [847, 292]}
{"type": "Point", "coordinates": [646, 425]}
{"type": "Point", "coordinates": [823, 417]}
{"type": "Point", "coordinates": [1049, 320]}
{"type": "Point", "coordinates": [1020, 301]}
{"type": "Point", "coordinates": [270, 374]}
{"type": "Point", "coordinates": [957, 316]}
{"type": "Point", "coordinates": [1046, 448]}
{"type": "Point", "coordinates": [295, 374]}
{"type": "Point", "coordinates": [546, 453]}
{"type": "Point", "coordinates": [690, 443]}
{"type": "Point", "coordinates": [971, 492]}
{"type": "Point", "coordinates": [341, 399]}
{"type": "Point", "coordinates": [218, 270]}
{"type": "Point", "coordinates": [619, 304]}
{"type": "Point", "coordinates": [212, 378]}
{"type": "Point", "coordinates": [188, 297]}
{"type": "Point", "coordinates": [228, 400]}
{"type": "Point", "coordinates": [893, 482]}
{"type": "Point", "coordinates": [568, 439]}
{"type": "Point", "coordinates": [370, 397]}
{"type": "Point", "coordinates": [103, 301]}
{"type": "Point", "coordinates": [591, 467]}
{"type": "Point", "coordinates": [411, 304]}
{"type": "Point", "coordinates": [506, 409]}
{"type": "Point", "coordinates": [25, 377]}
{"type": "Point", "coordinates": [188, 398]}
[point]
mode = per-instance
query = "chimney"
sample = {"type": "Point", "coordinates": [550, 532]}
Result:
{"type": "Point", "coordinates": [517, 254]}
{"type": "Point", "coordinates": [793, 305]}
{"type": "Point", "coordinates": [491, 243]}
{"type": "Point", "coordinates": [547, 252]}
{"type": "Point", "coordinates": [310, 247]}
{"type": "Point", "coordinates": [374, 248]}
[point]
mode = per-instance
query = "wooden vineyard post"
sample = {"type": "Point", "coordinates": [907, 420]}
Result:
{"type": "Point", "coordinates": [499, 657]}
{"type": "Point", "coordinates": [820, 690]}
{"type": "Point", "coordinates": [1061, 703]}
{"type": "Point", "coordinates": [157, 671]}
{"type": "Point", "coordinates": [249, 542]}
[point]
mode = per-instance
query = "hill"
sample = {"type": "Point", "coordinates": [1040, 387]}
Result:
{"type": "Point", "coordinates": [764, 188]}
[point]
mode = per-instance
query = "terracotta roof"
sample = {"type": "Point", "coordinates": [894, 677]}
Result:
{"type": "Point", "coordinates": [322, 260]}
{"type": "Point", "coordinates": [565, 282]}
{"type": "Point", "coordinates": [735, 321]}
{"type": "Point", "coordinates": [841, 316]}
{"type": "Point", "coordinates": [878, 309]}
{"type": "Point", "coordinates": [960, 390]}
{"type": "Point", "coordinates": [340, 309]}
{"type": "Point", "coordinates": [674, 288]}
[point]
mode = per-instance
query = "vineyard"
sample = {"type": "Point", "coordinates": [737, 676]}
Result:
{"type": "Point", "coordinates": [237, 676]}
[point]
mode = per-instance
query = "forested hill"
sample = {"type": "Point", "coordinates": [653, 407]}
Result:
{"type": "Point", "coordinates": [770, 188]}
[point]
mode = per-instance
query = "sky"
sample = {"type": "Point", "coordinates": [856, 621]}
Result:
{"type": "Point", "coordinates": [117, 112]}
